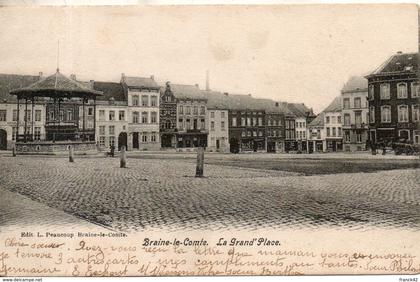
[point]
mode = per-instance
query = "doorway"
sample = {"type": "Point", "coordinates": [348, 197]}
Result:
{"type": "Point", "coordinates": [217, 144]}
{"type": "Point", "coordinates": [122, 140]}
{"type": "Point", "coordinates": [3, 139]}
{"type": "Point", "coordinates": [135, 140]}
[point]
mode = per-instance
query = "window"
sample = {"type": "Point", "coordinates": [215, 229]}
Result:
{"type": "Point", "coordinates": [188, 124]}
{"type": "Point", "coordinates": [402, 90]}
{"type": "Point", "coordinates": [102, 130]}
{"type": "Point", "coordinates": [339, 131]}
{"type": "Point", "coordinates": [203, 123]}
{"type": "Point", "coordinates": [260, 133]}
{"type": "Point", "coordinates": [37, 133]}
{"type": "Point", "coordinates": [328, 132]}
{"type": "Point", "coordinates": [111, 141]}
{"type": "Point", "coordinates": [386, 114]}
{"type": "Point", "coordinates": [102, 141]}
{"type": "Point", "coordinates": [38, 115]}
{"type": "Point", "coordinates": [111, 115]}
{"type": "Point", "coordinates": [243, 134]}
{"type": "Point", "coordinates": [135, 100]}
{"type": "Point", "coordinates": [249, 133]}
{"type": "Point", "coordinates": [69, 114]}
{"type": "Point", "coordinates": [153, 137]}
{"type": "Point", "coordinates": [346, 119]}
{"type": "Point", "coordinates": [248, 121]}
{"type": "Point", "coordinates": [347, 136]}
{"type": "Point", "coordinates": [243, 121]}
{"type": "Point", "coordinates": [51, 115]}
{"type": "Point", "coordinates": [121, 115]}
{"type": "Point", "coordinates": [372, 114]}
{"type": "Point", "coordinates": [222, 125]}
{"type": "Point", "coordinates": [254, 121]}
{"type": "Point", "coordinates": [111, 130]}
{"type": "Point", "coordinates": [101, 114]}
{"type": "Point", "coordinates": [385, 94]}
{"type": "Point", "coordinates": [181, 110]}
{"type": "Point", "coordinates": [260, 121]}
{"type": "Point", "coordinates": [144, 117]}
{"type": "Point", "coordinates": [403, 113]}
{"type": "Point", "coordinates": [203, 111]}
{"type": "Point", "coordinates": [416, 136]}
{"type": "Point", "coordinates": [181, 123]}
{"type": "Point", "coordinates": [333, 120]}
{"type": "Point", "coordinates": [254, 133]}
{"type": "Point", "coordinates": [145, 100]}
{"type": "Point", "coordinates": [371, 92]}
{"type": "Point", "coordinates": [153, 117]}
{"type": "Point", "coordinates": [135, 117]}
{"type": "Point", "coordinates": [61, 115]}
{"type": "Point", "coordinates": [144, 137]}
{"type": "Point", "coordinates": [222, 114]}
{"type": "Point", "coordinates": [358, 137]}
{"type": "Point", "coordinates": [212, 125]}
{"type": "Point", "coordinates": [90, 111]}
{"type": "Point", "coordinates": [212, 114]}
{"type": "Point", "coordinates": [153, 101]}
{"type": "Point", "coordinates": [358, 118]}
{"type": "Point", "coordinates": [339, 119]}
{"type": "Point", "coordinates": [346, 103]}
{"type": "Point", "coordinates": [415, 113]}
{"type": "Point", "coordinates": [188, 110]}
{"type": "Point", "coordinates": [327, 120]}
{"type": "Point", "coordinates": [14, 117]}
{"type": "Point", "coordinates": [195, 109]}
{"type": "Point", "coordinates": [333, 132]}
{"type": "Point", "coordinates": [415, 90]}
{"type": "Point", "coordinates": [357, 102]}
{"type": "Point", "coordinates": [3, 115]}
{"type": "Point", "coordinates": [14, 131]}
{"type": "Point", "coordinates": [234, 121]}
{"type": "Point", "coordinates": [28, 115]}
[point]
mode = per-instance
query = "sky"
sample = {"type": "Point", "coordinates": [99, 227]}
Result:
{"type": "Point", "coordinates": [300, 54]}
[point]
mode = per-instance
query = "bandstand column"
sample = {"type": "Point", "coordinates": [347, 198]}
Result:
{"type": "Point", "coordinates": [26, 119]}
{"type": "Point", "coordinates": [94, 119]}
{"type": "Point", "coordinates": [83, 121]}
{"type": "Point", "coordinates": [17, 119]}
{"type": "Point", "coordinates": [32, 117]}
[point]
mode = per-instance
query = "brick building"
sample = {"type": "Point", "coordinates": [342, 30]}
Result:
{"type": "Point", "coordinates": [393, 94]}
{"type": "Point", "coordinates": [167, 113]}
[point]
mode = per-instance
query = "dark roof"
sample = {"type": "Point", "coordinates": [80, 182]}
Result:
{"type": "Point", "coordinates": [355, 84]}
{"type": "Point", "coordinates": [318, 121]}
{"type": "Point", "coordinates": [9, 82]}
{"type": "Point", "coordinates": [185, 91]}
{"type": "Point", "coordinates": [110, 90]}
{"type": "Point", "coordinates": [140, 82]}
{"type": "Point", "coordinates": [56, 85]}
{"type": "Point", "coordinates": [335, 105]}
{"type": "Point", "coordinates": [400, 62]}
{"type": "Point", "coordinates": [299, 109]}
{"type": "Point", "coordinates": [216, 100]}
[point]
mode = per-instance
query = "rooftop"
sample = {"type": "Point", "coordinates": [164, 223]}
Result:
{"type": "Point", "coordinates": [335, 105]}
{"type": "Point", "coordinates": [398, 63]}
{"type": "Point", "coordinates": [9, 82]}
{"type": "Point", "coordinates": [140, 82]}
{"type": "Point", "coordinates": [110, 90]}
{"type": "Point", "coordinates": [355, 84]}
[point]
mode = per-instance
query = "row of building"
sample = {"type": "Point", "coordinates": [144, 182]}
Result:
{"type": "Point", "coordinates": [141, 114]}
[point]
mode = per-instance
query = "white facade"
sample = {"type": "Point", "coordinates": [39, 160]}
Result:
{"type": "Point", "coordinates": [8, 122]}
{"type": "Point", "coordinates": [316, 139]}
{"type": "Point", "coordinates": [217, 124]}
{"type": "Point", "coordinates": [333, 131]}
{"type": "Point", "coordinates": [111, 126]}
{"type": "Point", "coordinates": [143, 119]}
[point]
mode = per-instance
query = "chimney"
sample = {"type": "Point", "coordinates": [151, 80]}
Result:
{"type": "Point", "coordinates": [152, 77]}
{"type": "Point", "coordinates": [40, 75]}
{"type": "Point", "coordinates": [207, 80]}
{"type": "Point", "coordinates": [277, 104]}
{"type": "Point", "coordinates": [122, 77]}
{"type": "Point", "coordinates": [226, 94]}
{"type": "Point", "coordinates": [249, 95]}
{"type": "Point", "coordinates": [91, 82]}
{"type": "Point", "coordinates": [399, 52]}
{"type": "Point", "coordinates": [73, 76]}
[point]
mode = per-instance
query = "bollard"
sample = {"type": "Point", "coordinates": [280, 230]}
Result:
{"type": "Point", "coordinates": [123, 158]}
{"type": "Point", "coordinates": [199, 171]}
{"type": "Point", "coordinates": [14, 151]}
{"type": "Point", "coordinates": [71, 154]}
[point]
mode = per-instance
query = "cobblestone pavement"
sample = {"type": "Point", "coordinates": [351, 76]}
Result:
{"type": "Point", "coordinates": [150, 194]}
{"type": "Point", "coordinates": [19, 213]}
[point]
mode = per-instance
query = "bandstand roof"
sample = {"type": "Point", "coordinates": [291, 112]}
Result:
{"type": "Point", "coordinates": [56, 85]}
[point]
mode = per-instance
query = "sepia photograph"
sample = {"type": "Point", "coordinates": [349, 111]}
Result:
{"type": "Point", "coordinates": [209, 140]}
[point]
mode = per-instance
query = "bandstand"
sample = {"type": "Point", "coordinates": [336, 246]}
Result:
{"type": "Point", "coordinates": [67, 123]}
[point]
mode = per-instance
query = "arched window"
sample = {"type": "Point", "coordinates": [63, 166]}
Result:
{"type": "Point", "coordinates": [402, 90]}
{"type": "Point", "coordinates": [415, 90]}
{"type": "Point", "coordinates": [385, 94]}
{"type": "Point", "coordinates": [402, 113]}
{"type": "Point", "coordinates": [386, 114]}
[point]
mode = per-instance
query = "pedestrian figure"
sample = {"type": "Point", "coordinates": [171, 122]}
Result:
{"type": "Point", "coordinates": [112, 147]}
